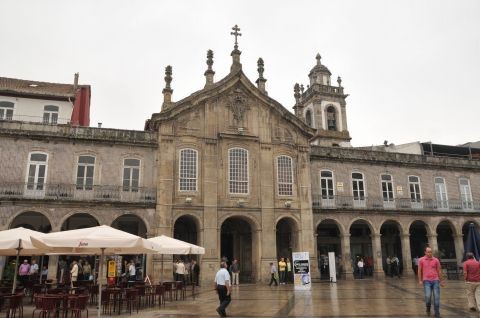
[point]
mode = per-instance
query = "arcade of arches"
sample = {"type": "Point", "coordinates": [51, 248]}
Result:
{"type": "Point", "coordinates": [374, 241]}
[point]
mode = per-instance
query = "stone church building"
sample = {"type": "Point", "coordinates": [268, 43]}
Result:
{"type": "Point", "coordinates": [231, 169]}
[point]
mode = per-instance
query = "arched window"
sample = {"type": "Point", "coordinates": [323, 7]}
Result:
{"type": "Point", "coordinates": [6, 110]}
{"type": "Point", "coordinates": [188, 170]}
{"type": "Point", "coordinates": [331, 118]}
{"type": "Point", "coordinates": [441, 193]}
{"type": "Point", "coordinates": [85, 169]}
{"type": "Point", "coordinates": [308, 118]}
{"type": "Point", "coordinates": [131, 175]}
{"type": "Point", "coordinates": [37, 171]}
{"type": "Point", "coordinates": [50, 114]}
{"type": "Point", "coordinates": [284, 175]}
{"type": "Point", "coordinates": [238, 170]}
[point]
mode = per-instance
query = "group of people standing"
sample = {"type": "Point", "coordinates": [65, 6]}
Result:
{"type": "Point", "coordinates": [393, 266]}
{"type": "Point", "coordinates": [284, 272]}
{"type": "Point", "coordinates": [187, 272]}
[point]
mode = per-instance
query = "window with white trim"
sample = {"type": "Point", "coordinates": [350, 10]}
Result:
{"type": "Point", "coordinates": [466, 193]}
{"type": "Point", "coordinates": [50, 114]}
{"type": "Point", "coordinates": [358, 186]}
{"type": "Point", "coordinates": [387, 187]}
{"type": "Point", "coordinates": [188, 170]}
{"type": "Point", "coordinates": [284, 175]}
{"type": "Point", "coordinates": [6, 110]}
{"type": "Point", "coordinates": [238, 171]}
{"type": "Point", "coordinates": [37, 170]}
{"type": "Point", "coordinates": [131, 174]}
{"type": "Point", "coordinates": [441, 192]}
{"type": "Point", "coordinates": [331, 115]}
{"type": "Point", "coordinates": [326, 184]}
{"type": "Point", "coordinates": [85, 170]}
{"type": "Point", "coordinates": [414, 188]}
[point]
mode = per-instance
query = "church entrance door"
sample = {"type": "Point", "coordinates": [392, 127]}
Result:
{"type": "Point", "coordinates": [236, 243]}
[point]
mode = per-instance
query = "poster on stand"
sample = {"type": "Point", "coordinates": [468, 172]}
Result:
{"type": "Point", "coordinates": [332, 267]}
{"type": "Point", "coordinates": [301, 270]}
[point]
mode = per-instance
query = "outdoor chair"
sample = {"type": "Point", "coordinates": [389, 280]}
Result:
{"type": "Point", "coordinates": [131, 299]}
{"type": "Point", "coordinates": [93, 291]}
{"type": "Point", "coordinates": [14, 308]}
{"type": "Point", "coordinates": [159, 291]}
{"type": "Point", "coordinates": [106, 302]}
{"type": "Point", "coordinates": [142, 296]}
{"type": "Point", "coordinates": [180, 289]}
{"type": "Point", "coordinates": [36, 289]}
{"type": "Point", "coordinates": [78, 305]}
{"type": "Point", "coordinates": [168, 290]}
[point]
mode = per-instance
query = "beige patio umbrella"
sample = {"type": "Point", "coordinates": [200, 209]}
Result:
{"type": "Point", "coordinates": [16, 242]}
{"type": "Point", "coordinates": [99, 240]}
{"type": "Point", "coordinates": [170, 246]}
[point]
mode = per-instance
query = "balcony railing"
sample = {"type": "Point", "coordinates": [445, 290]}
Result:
{"type": "Point", "coordinates": [376, 203]}
{"type": "Point", "coordinates": [71, 192]}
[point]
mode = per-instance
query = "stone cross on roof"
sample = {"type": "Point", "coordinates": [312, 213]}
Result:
{"type": "Point", "coordinates": [236, 34]}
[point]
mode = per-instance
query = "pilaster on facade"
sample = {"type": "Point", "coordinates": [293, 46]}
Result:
{"type": "Point", "coordinates": [406, 255]}
{"type": "Point", "coordinates": [459, 248]}
{"type": "Point", "coordinates": [432, 242]}
{"type": "Point", "coordinates": [377, 252]}
{"type": "Point", "coordinates": [346, 256]}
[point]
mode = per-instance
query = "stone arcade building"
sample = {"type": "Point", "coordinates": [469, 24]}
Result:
{"type": "Point", "coordinates": [231, 169]}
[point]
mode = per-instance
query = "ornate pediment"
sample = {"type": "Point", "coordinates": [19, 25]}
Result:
{"type": "Point", "coordinates": [238, 104]}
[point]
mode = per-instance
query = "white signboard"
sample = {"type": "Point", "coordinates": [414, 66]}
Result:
{"type": "Point", "coordinates": [332, 267]}
{"type": "Point", "coordinates": [301, 270]}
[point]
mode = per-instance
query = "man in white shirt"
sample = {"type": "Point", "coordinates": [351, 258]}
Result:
{"type": "Point", "coordinates": [180, 271]}
{"type": "Point", "coordinates": [223, 287]}
{"type": "Point", "coordinates": [74, 272]}
{"type": "Point", "coordinates": [131, 272]}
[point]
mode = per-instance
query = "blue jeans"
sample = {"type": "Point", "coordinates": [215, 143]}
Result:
{"type": "Point", "coordinates": [282, 276]}
{"type": "Point", "coordinates": [428, 287]}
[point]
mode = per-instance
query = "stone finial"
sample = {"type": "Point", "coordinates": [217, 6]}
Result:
{"type": "Point", "coordinates": [318, 57]}
{"type": "Point", "coordinates": [296, 91]}
{"type": "Point", "coordinates": [167, 91]}
{"type": "Point", "coordinates": [339, 81]}
{"type": "Point", "coordinates": [75, 81]}
{"type": "Point", "coordinates": [209, 72]}
{"type": "Point", "coordinates": [236, 52]}
{"type": "Point", "coordinates": [302, 89]}
{"type": "Point", "coordinates": [261, 80]}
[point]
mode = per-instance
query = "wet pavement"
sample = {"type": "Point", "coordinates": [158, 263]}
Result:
{"type": "Point", "coordinates": [360, 298]}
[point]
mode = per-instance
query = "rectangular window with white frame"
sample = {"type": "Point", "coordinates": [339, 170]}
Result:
{"type": "Point", "coordinates": [6, 110]}
{"type": "Point", "coordinates": [238, 171]}
{"type": "Point", "coordinates": [50, 114]}
{"type": "Point", "coordinates": [358, 189]}
{"type": "Point", "coordinates": [441, 193]}
{"type": "Point", "coordinates": [131, 175]}
{"type": "Point", "coordinates": [466, 193]}
{"type": "Point", "coordinates": [36, 173]}
{"type": "Point", "coordinates": [327, 189]}
{"type": "Point", "coordinates": [285, 176]}
{"type": "Point", "coordinates": [387, 187]}
{"type": "Point", "coordinates": [85, 173]}
{"type": "Point", "coordinates": [188, 167]}
{"type": "Point", "coordinates": [415, 191]}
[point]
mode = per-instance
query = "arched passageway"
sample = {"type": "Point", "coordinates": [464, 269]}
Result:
{"type": "Point", "coordinates": [185, 229]}
{"type": "Point", "coordinates": [286, 238]}
{"type": "Point", "coordinates": [328, 240]}
{"type": "Point", "coordinates": [79, 221]}
{"type": "Point", "coordinates": [236, 242]}
{"type": "Point", "coordinates": [32, 220]}
{"type": "Point", "coordinates": [445, 241]}
{"type": "Point", "coordinates": [391, 248]}
{"type": "Point", "coordinates": [132, 224]}
{"type": "Point", "coordinates": [418, 239]}
{"type": "Point", "coordinates": [361, 246]}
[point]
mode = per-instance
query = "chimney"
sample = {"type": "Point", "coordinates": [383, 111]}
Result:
{"type": "Point", "coordinates": [75, 81]}
{"type": "Point", "coordinates": [99, 125]}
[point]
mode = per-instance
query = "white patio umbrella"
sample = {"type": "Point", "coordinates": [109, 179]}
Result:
{"type": "Point", "coordinates": [170, 246]}
{"type": "Point", "coordinates": [16, 242]}
{"type": "Point", "coordinates": [98, 240]}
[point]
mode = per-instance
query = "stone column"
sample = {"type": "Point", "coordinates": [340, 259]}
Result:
{"type": "Point", "coordinates": [377, 255]}
{"type": "Point", "coordinates": [432, 242]}
{"type": "Point", "coordinates": [346, 257]}
{"type": "Point", "coordinates": [406, 255]}
{"type": "Point", "coordinates": [52, 267]}
{"type": "Point", "coordinates": [459, 248]}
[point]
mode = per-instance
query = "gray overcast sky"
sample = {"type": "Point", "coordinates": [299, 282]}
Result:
{"type": "Point", "coordinates": [411, 67]}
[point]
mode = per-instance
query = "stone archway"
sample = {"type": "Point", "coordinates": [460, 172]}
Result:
{"type": "Point", "coordinates": [32, 220]}
{"type": "Point", "coordinates": [361, 244]}
{"type": "Point", "coordinates": [328, 240]}
{"type": "Point", "coordinates": [237, 241]}
{"type": "Point", "coordinates": [186, 229]}
{"type": "Point", "coordinates": [132, 224]}
{"type": "Point", "coordinates": [446, 241]}
{"type": "Point", "coordinates": [79, 221]}
{"type": "Point", "coordinates": [286, 237]}
{"type": "Point", "coordinates": [390, 232]}
{"type": "Point", "coordinates": [418, 238]}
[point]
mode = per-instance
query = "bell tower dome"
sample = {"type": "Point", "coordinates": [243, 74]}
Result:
{"type": "Point", "coordinates": [323, 106]}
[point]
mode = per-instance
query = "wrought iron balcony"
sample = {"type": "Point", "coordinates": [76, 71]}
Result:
{"type": "Point", "coordinates": [72, 192]}
{"type": "Point", "coordinates": [377, 203]}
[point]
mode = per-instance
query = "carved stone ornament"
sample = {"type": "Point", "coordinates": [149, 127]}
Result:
{"type": "Point", "coordinates": [238, 105]}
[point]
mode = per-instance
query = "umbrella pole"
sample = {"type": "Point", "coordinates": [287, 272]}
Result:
{"type": "Point", "coordinates": [19, 248]}
{"type": "Point", "coordinates": [40, 268]}
{"type": "Point", "coordinates": [100, 274]}
{"type": "Point", "coordinates": [161, 273]}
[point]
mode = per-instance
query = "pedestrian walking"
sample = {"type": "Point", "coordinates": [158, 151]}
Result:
{"type": "Point", "coordinates": [273, 273]}
{"type": "Point", "coordinates": [235, 268]}
{"type": "Point", "coordinates": [223, 288]}
{"type": "Point", "coordinates": [471, 274]}
{"type": "Point", "coordinates": [430, 276]}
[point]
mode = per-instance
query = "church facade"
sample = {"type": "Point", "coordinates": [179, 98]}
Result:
{"type": "Point", "coordinates": [232, 170]}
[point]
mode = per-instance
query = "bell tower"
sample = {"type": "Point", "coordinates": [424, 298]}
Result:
{"type": "Point", "coordinates": [323, 106]}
